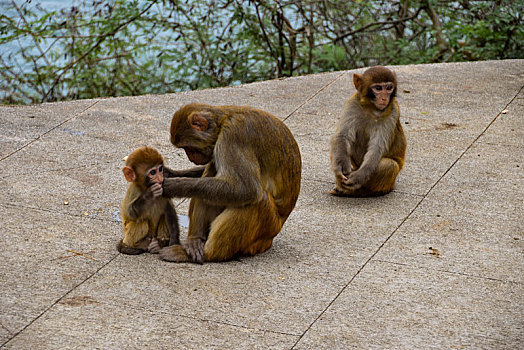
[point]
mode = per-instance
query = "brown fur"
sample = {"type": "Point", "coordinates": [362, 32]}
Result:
{"type": "Point", "coordinates": [369, 145]}
{"type": "Point", "coordinates": [249, 186]}
{"type": "Point", "coordinates": [150, 223]}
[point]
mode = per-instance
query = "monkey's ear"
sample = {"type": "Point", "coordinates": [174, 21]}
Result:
{"type": "Point", "coordinates": [198, 121]}
{"type": "Point", "coordinates": [129, 174]}
{"type": "Point", "coordinates": [357, 81]}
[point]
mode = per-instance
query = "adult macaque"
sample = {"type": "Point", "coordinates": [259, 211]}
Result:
{"type": "Point", "coordinates": [369, 146]}
{"type": "Point", "coordinates": [250, 182]}
{"type": "Point", "coordinates": [150, 220]}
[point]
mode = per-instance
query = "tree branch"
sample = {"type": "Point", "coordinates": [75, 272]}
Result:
{"type": "Point", "coordinates": [97, 44]}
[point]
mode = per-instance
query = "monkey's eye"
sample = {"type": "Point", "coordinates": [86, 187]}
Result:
{"type": "Point", "coordinates": [160, 169]}
{"type": "Point", "coordinates": [378, 88]}
{"type": "Point", "coordinates": [152, 172]}
{"type": "Point", "coordinates": [389, 87]}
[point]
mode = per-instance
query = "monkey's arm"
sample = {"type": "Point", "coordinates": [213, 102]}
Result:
{"type": "Point", "coordinates": [221, 191]}
{"type": "Point", "coordinates": [191, 172]}
{"type": "Point", "coordinates": [397, 151]}
{"type": "Point", "coordinates": [234, 184]}
{"type": "Point", "coordinates": [375, 152]}
{"type": "Point", "coordinates": [135, 207]}
{"type": "Point", "coordinates": [340, 156]}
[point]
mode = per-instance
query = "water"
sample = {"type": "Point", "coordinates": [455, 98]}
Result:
{"type": "Point", "coordinates": [9, 52]}
{"type": "Point", "coordinates": [23, 56]}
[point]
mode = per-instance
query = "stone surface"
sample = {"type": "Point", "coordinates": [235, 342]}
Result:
{"type": "Point", "coordinates": [436, 264]}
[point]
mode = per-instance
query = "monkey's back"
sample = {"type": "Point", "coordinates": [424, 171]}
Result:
{"type": "Point", "coordinates": [275, 149]}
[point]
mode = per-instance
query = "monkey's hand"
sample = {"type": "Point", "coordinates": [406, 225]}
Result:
{"type": "Point", "coordinates": [354, 181]}
{"type": "Point", "coordinates": [195, 249]}
{"type": "Point", "coordinates": [340, 177]}
{"type": "Point", "coordinates": [156, 190]}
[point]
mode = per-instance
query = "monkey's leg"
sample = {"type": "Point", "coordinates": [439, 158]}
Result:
{"type": "Point", "coordinates": [243, 231]}
{"type": "Point", "coordinates": [383, 180]}
{"type": "Point", "coordinates": [200, 217]}
{"type": "Point", "coordinates": [135, 239]}
{"type": "Point", "coordinates": [162, 232]}
{"type": "Point", "coordinates": [167, 232]}
{"type": "Point", "coordinates": [161, 238]}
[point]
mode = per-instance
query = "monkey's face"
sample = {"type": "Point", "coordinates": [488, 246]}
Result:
{"type": "Point", "coordinates": [155, 175]}
{"type": "Point", "coordinates": [196, 156]}
{"type": "Point", "coordinates": [381, 94]}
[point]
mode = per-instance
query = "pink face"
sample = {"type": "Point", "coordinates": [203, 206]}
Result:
{"type": "Point", "coordinates": [382, 92]}
{"type": "Point", "coordinates": [156, 174]}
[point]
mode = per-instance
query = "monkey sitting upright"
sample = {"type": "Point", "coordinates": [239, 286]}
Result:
{"type": "Point", "coordinates": [150, 220]}
{"type": "Point", "coordinates": [369, 146]}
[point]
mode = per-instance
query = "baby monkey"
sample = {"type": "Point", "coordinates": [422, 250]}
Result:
{"type": "Point", "coordinates": [150, 220]}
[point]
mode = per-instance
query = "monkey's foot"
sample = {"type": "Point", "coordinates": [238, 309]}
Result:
{"type": "Point", "coordinates": [195, 249]}
{"type": "Point", "coordinates": [339, 193]}
{"type": "Point", "coordinates": [124, 249]}
{"type": "Point", "coordinates": [174, 253]}
{"type": "Point", "coordinates": [154, 246]}
{"type": "Point", "coordinates": [358, 193]}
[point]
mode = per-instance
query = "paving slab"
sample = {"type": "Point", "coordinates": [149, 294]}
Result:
{"type": "Point", "coordinates": [74, 323]}
{"type": "Point", "coordinates": [438, 263]}
{"type": "Point", "coordinates": [508, 128]}
{"type": "Point", "coordinates": [471, 222]}
{"type": "Point", "coordinates": [393, 306]}
{"type": "Point", "coordinates": [22, 125]}
{"type": "Point", "coordinates": [49, 255]}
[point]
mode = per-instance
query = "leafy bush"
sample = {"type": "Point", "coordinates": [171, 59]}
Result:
{"type": "Point", "coordinates": [134, 47]}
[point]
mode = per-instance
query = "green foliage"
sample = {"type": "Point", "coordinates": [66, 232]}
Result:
{"type": "Point", "coordinates": [489, 30]}
{"type": "Point", "coordinates": [330, 57]}
{"type": "Point", "coordinates": [132, 47]}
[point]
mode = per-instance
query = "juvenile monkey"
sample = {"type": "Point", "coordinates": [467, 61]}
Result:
{"type": "Point", "coordinates": [245, 188]}
{"type": "Point", "coordinates": [150, 220]}
{"type": "Point", "coordinates": [369, 146]}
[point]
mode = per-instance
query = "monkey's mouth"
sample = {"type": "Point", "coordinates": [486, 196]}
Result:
{"type": "Point", "coordinates": [381, 106]}
{"type": "Point", "coordinates": [196, 157]}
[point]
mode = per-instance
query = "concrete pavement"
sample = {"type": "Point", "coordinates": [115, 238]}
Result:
{"type": "Point", "coordinates": [436, 264]}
